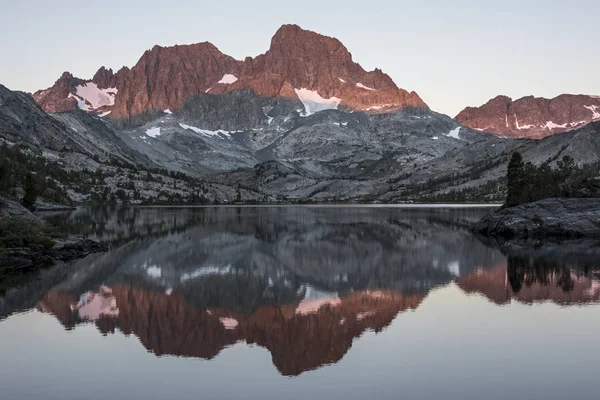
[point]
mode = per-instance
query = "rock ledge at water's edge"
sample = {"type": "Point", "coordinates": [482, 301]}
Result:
{"type": "Point", "coordinates": [37, 253]}
{"type": "Point", "coordinates": [548, 218]}
{"type": "Point", "coordinates": [68, 249]}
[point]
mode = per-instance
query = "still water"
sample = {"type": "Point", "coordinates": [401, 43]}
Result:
{"type": "Point", "coordinates": [297, 303]}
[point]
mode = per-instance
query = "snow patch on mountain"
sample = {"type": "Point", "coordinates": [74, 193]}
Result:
{"type": "Point", "coordinates": [594, 110]}
{"type": "Point", "coordinates": [381, 107]}
{"type": "Point", "coordinates": [94, 97]}
{"type": "Point", "coordinates": [206, 132]}
{"type": "Point", "coordinates": [360, 85]}
{"type": "Point", "coordinates": [80, 102]}
{"type": "Point", "coordinates": [153, 132]}
{"type": "Point", "coordinates": [454, 133]}
{"type": "Point", "coordinates": [228, 79]}
{"type": "Point", "coordinates": [313, 102]}
{"type": "Point", "coordinates": [342, 80]}
{"type": "Point", "coordinates": [104, 114]}
{"type": "Point", "coordinates": [522, 127]}
{"type": "Point", "coordinates": [551, 125]}
{"type": "Point", "coordinates": [167, 111]}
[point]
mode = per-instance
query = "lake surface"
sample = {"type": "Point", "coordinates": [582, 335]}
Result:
{"type": "Point", "coordinates": [296, 303]}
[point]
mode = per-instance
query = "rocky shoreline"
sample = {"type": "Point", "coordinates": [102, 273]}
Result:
{"type": "Point", "coordinates": [28, 245]}
{"type": "Point", "coordinates": [64, 250]}
{"type": "Point", "coordinates": [556, 218]}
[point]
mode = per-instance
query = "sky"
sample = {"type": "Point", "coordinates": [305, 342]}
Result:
{"type": "Point", "coordinates": [452, 53]}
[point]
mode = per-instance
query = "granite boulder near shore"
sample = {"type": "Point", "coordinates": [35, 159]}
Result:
{"type": "Point", "coordinates": [548, 218]}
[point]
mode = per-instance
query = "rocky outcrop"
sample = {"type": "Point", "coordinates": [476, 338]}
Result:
{"type": "Point", "coordinates": [532, 117]}
{"type": "Point", "coordinates": [10, 208]}
{"type": "Point", "coordinates": [553, 218]}
{"type": "Point", "coordinates": [58, 97]}
{"type": "Point", "coordinates": [297, 60]}
{"type": "Point", "coordinates": [62, 249]}
{"type": "Point", "coordinates": [240, 110]}
{"type": "Point", "coordinates": [23, 121]}
{"type": "Point", "coordinates": [68, 249]}
{"type": "Point", "coordinates": [166, 76]}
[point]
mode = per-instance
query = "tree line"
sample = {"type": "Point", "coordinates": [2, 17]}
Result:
{"type": "Point", "coordinates": [528, 183]}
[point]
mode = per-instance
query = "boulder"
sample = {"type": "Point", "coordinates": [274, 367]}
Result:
{"type": "Point", "coordinates": [10, 208]}
{"type": "Point", "coordinates": [551, 218]}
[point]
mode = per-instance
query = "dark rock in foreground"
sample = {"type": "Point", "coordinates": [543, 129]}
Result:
{"type": "Point", "coordinates": [64, 250]}
{"type": "Point", "coordinates": [10, 208]}
{"type": "Point", "coordinates": [548, 218]}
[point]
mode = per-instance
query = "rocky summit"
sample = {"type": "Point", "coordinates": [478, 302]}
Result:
{"type": "Point", "coordinates": [301, 65]}
{"type": "Point", "coordinates": [532, 117]}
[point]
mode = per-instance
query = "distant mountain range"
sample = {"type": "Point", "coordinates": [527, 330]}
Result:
{"type": "Point", "coordinates": [532, 117]}
{"type": "Point", "coordinates": [302, 122]}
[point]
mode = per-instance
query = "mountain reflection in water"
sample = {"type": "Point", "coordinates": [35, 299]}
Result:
{"type": "Point", "coordinates": [303, 283]}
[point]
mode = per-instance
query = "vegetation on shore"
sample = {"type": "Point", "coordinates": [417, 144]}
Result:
{"type": "Point", "coordinates": [21, 233]}
{"type": "Point", "coordinates": [527, 183]}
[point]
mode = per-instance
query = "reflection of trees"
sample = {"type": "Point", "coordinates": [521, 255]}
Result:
{"type": "Point", "coordinates": [527, 271]}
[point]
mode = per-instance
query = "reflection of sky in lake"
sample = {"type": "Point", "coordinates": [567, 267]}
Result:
{"type": "Point", "coordinates": [452, 346]}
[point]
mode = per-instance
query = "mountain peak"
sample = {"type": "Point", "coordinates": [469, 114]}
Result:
{"type": "Point", "coordinates": [298, 60]}
{"type": "Point", "coordinates": [290, 33]}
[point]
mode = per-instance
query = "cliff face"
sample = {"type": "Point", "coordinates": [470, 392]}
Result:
{"type": "Point", "coordinates": [531, 117]}
{"type": "Point", "coordinates": [299, 64]}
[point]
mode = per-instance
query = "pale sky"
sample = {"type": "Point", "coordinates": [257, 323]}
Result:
{"type": "Point", "coordinates": [453, 53]}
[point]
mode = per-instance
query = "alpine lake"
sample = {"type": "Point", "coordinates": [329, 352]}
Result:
{"type": "Point", "coordinates": [296, 302]}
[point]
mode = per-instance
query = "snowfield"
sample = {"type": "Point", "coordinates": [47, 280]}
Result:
{"type": "Point", "coordinates": [228, 79]}
{"type": "Point", "coordinates": [313, 102]}
{"type": "Point", "coordinates": [90, 97]}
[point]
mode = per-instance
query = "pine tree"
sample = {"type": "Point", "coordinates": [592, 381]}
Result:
{"type": "Point", "coordinates": [238, 197]}
{"type": "Point", "coordinates": [2, 176]}
{"type": "Point", "coordinates": [516, 180]}
{"type": "Point", "coordinates": [30, 193]}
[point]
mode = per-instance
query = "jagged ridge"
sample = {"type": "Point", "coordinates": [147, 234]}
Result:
{"type": "Point", "coordinates": [165, 77]}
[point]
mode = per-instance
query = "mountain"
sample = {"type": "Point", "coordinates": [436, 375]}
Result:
{"type": "Point", "coordinates": [316, 71]}
{"type": "Point", "coordinates": [300, 123]}
{"type": "Point", "coordinates": [532, 117]}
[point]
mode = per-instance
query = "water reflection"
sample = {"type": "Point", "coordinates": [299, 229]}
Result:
{"type": "Point", "coordinates": [529, 280]}
{"type": "Point", "coordinates": [303, 283]}
{"type": "Point", "coordinates": [300, 337]}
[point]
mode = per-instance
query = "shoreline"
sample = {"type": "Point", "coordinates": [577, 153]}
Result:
{"type": "Point", "coordinates": [323, 205]}
{"type": "Point", "coordinates": [552, 218]}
